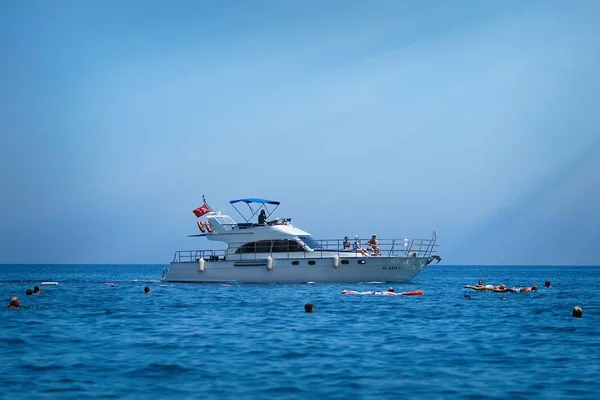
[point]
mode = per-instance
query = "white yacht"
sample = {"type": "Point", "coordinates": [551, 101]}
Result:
{"type": "Point", "coordinates": [275, 251]}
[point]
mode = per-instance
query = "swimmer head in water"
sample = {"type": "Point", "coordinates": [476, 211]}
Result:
{"type": "Point", "coordinates": [14, 303]}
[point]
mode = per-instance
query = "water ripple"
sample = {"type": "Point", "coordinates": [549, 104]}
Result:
{"type": "Point", "coordinates": [83, 338]}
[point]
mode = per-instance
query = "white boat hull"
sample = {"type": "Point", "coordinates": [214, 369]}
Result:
{"type": "Point", "coordinates": [301, 270]}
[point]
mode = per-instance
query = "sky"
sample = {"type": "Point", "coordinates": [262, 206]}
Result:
{"type": "Point", "coordinates": [477, 120]}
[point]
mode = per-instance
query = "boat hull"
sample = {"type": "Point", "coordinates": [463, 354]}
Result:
{"type": "Point", "coordinates": [301, 270]}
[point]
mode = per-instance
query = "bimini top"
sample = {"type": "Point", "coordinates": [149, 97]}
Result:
{"type": "Point", "coordinates": [254, 200]}
{"type": "Point", "coordinates": [254, 206]}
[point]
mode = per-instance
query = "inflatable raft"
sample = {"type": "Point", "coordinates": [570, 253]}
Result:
{"type": "Point", "coordinates": [413, 293]}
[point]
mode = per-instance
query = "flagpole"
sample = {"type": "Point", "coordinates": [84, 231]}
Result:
{"type": "Point", "coordinates": [204, 201]}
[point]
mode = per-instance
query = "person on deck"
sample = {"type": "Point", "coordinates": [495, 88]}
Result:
{"type": "Point", "coordinates": [347, 243]}
{"type": "Point", "coordinates": [357, 247]}
{"type": "Point", "coordinates": [374, 245]}
{"type": "Point", "coordinates": [262, 217]}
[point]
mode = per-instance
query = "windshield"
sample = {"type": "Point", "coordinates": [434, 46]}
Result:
{"type": "Point", "coordinates": [310, 242]}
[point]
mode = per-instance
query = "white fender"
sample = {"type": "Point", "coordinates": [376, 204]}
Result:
{"type": "Point", "coordinates": [336, 261]}
{"type": "Point", "coordinates": [201, 265]}
{"type": "Point", "coordinates": [269, 263]}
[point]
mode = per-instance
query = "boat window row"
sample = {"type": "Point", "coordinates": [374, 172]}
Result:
{"type": "Point", "coordinates": [271, 246]}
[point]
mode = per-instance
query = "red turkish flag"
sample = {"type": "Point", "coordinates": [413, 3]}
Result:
{"type": "Point", "coordinates": [200, 211]}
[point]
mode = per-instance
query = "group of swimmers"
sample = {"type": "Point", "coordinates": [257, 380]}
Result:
{"type": "Point", "coordinates": [577, 310]}
{"type": "Point", "coordinates": [14, 302]}
{"type": "Point", "coordinates": [502, 288]}
{"type": "Point", "coordinates": [36, 290]}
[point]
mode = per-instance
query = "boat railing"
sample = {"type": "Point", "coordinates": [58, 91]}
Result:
{"type": "Point", "coordinates": [196, 255]}
{"type": "Point", "coordinates": [405, 247]}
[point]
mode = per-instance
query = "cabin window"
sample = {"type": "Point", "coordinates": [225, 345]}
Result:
{"type": "Point", "coordinates": [311, 262]}
{"type": "Point", "coordinates": [295, 263]}
{"type": "Point", "coordinates": [287, 246]}
{"type": "Point", "coordinates": [271, 246]}
{"type": "Point", "coordinates": [263, 246]}
{"type": "Point", "coordinates": [310, 242]}
{"type": "Point", "coordinates": [345, 262]}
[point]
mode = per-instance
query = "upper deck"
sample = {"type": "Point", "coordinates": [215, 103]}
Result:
{"type": "Point", "coordinates": [228, 231]}
{"type": "Point", "coordinates": [307, 247]}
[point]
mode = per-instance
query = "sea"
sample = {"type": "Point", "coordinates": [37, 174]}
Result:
{"type": "Point", "coordinates": [97, 334]}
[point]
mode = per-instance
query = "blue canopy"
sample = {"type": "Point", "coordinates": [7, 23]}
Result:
{"type": "Point", "coordinates": [253, 200]}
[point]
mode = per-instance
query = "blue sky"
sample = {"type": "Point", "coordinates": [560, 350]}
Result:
{"type": "Point", "coordinates": [475, 119]}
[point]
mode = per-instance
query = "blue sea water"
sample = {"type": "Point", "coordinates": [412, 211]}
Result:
{"type": "Point", "coordinates": [85, 339]}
